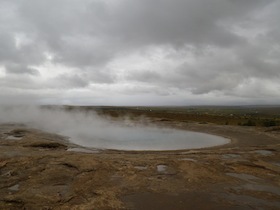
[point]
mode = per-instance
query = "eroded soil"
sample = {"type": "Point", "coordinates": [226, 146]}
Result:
{"type": "Point", "coordinates": [39, 170]}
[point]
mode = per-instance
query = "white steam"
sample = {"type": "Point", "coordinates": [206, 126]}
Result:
{"type": "Point", "coordinates": [80, 126]}
{"type": "Point", "coordinates": [86, 128]}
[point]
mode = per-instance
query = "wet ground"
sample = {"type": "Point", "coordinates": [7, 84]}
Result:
{"type": "Point", "coordinates": [39, 170]}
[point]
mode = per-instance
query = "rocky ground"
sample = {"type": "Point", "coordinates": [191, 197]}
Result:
{"type": "Point", "coordinates": [39, 170]}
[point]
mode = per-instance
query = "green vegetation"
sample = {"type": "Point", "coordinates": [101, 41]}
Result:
{"type": "Point", "coordinates": [270, 123]}
{"type": "Point", "coordinates": [249, 123]}
{"type": "Point", "coordinates": [265, 116]}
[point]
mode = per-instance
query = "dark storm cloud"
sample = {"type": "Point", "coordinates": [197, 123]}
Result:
{"type": "Point", "coordinates": [225, 46]}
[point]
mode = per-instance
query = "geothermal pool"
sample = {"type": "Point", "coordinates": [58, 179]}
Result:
{"type": "Point", "coordinates": [147, 138]}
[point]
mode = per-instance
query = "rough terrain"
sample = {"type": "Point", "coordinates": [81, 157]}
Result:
{"type": "Point", "coordinates": [39, 170]}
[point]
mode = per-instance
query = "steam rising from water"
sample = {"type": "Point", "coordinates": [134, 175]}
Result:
{"type": "Point", "coordinates": [88, 129]}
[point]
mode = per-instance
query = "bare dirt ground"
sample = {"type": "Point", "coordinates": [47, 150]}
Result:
{"type": "Point", "coordinates": [39, 170]}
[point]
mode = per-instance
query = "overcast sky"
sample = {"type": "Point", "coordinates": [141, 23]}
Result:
{"type": "Point", "coordinates": [140, 52]}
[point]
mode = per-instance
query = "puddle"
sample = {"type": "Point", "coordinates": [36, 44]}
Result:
{"type": "Point", "coordinates": [161, 168]}
{"type": "Point", "coordinates": [14, 188]}
{"type": "Point", "coordinates": [231, 156]}
{"type": "Point", "coordinates": [255, 201]}
{"type": "Point", "coordinates": [244, 177]}
{"type": "Point", "coordinates": [14, 137]}
{"type": "Point", "coordinates": [164, 169]}
{"type": "Point", "coordinates": [141, 167]}
{"type": "Point", "coordinates": [250, 202]}
{"type": "Point", "coordinates": [277, 164]}
{"type": "Point", "coordinates": [189, 159]}
{"type": "Point", "coordinates": [180, 201]}
{"type": "Point", "coordinates": [264, 188]}
{"type": "Point", "coordinates": [147, 138]}
{"type": "Point", "coordinates": [82, 150]}
{"type": "Point", "coordinates": [263, 152]}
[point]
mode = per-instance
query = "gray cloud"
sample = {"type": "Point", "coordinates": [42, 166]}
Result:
{"type": "Point", "coordinates": [20, 69]}
{"type": "Point", "coordinates": [213, 48]}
